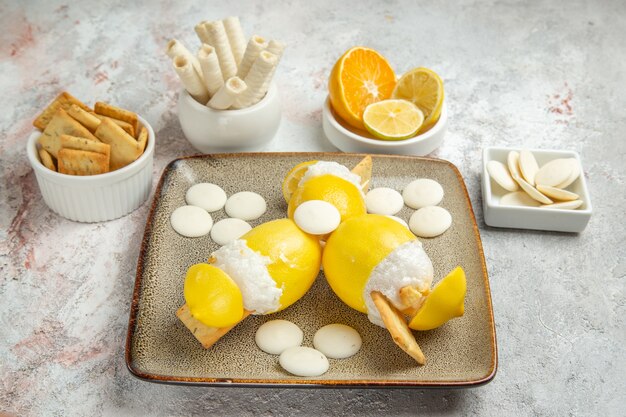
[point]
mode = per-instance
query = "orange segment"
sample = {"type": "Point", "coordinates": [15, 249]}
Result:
{"type": "Point", "coordinates": [360, 77]}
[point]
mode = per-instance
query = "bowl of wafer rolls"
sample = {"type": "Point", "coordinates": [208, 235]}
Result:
{"type": "Point", "coordinates": [228, 102]}
{"type": "Point", "coordinates": [92, 164]}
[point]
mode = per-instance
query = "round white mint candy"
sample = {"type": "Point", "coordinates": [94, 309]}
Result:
{"type": "Point", "coordinates": [528, 166]}
{"type": "Point", "coordinates": [430, 221]}
{"type": "Point", "coordinates": [500, 174]}
{"type": "Point", "coordinates": [575, 174]}
{"type": "Point", "coordinates": [205, 195]}
{"type": "Point", "coordinates": [532, 191]}
{"type": "Point", "coordinates": [303, 361]}
{"type": "Point", "coordinates": [557, 193]}
{"type": "Point", "coordinates": [565, 205]}
{"type": "Point", "coordinates": [512, 162]}
{"type": "Point", "coordinates": [227, 230]}
{"type": "Point", "coordinates": [245, 205]}
{"type": "Point", "coordinates": [317, 217]}
{"type": "Point", "coordinates": [275, 336]}
{"type": "Point", "coordinates": [554, 172]}
{"type": "Point", "coordinates": [337, 341]}
{"type": "Point", "coordinates": [383, 200]}
{"type": "Point", "coordinates": [191, 221]}
{"type": "Point", "coordinates": [518, 198]}
{"type": "Point", "coordinates": [422, 192]}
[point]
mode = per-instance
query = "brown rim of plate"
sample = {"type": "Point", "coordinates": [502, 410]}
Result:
{"type": "Point", "coordinates": [304, 383]}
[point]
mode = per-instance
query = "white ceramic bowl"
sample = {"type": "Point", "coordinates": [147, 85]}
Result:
{"type": "Point", "coordinates": [95, 198]}
{"type": "Point", "coordinates": [536, 218]}
{"type": "Point", "coordinates": [348, 139]}
{"type": "Point", "coordinates": [244, 130]}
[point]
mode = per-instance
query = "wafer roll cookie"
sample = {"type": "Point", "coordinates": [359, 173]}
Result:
{"type": "Point", "coordinates": [256, 80]}
{"type": "Point", "coordinates": [256, 45]}
{"type": "Point", "coordinates": [217, 38]}
{"type": "Point", "coordinates": [190, 79]}
{"type": "Point", "coordinates": [202, 33]}
{"type": "Point", "coordinates": [236, 38]}
{"type": "Point", "coordinates": [175, 48]}
{"type": "Point", "coordinates": [211, 72]}
{"type": "Point", "coordinates": [276, 47]}
{"type": "Point", "coordinates": [225, 97]}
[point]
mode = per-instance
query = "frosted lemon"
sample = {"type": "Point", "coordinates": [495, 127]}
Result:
{"type": "Point", "coordinates": [424, 88]}
{"type": "Point", "coordinates": [272, 266]}
{"type": "Point", "coordinates": [393, 119]}
{"type": "Point", "coordinates": [445, 302]}
{"type": "Point", "coordinates": [333, 183]}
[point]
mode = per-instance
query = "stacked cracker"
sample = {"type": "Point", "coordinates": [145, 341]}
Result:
{"type": "Point", "coordinates": [80, 141]}
{"type": "Point", "coordinates": [227, 72]}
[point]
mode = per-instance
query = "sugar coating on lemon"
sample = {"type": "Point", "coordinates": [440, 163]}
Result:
{"type": "Point", "coordinates": [355, 248]}
{"type": "Point", "coordinates": [212, 296]}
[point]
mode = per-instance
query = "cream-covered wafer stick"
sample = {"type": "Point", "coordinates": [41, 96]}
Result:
{"type": "Point", "coordinates": [255, 46]}
{"type": "Point", "coordinates": [236, 37]}
{"type": "Point", "coordinates": [190, 79]}
{"type": "Point", "coordinates": [175, 48]}
{"type": "Point", "coordinates": [276, 47]}
{"type": "Point", "coordinates": [257, 80]}
{"type": "Point", "coordinates": [202, 33]}
{"type": "Point", "coordinates": [211, 72]}
{"type": "Point", "coordinates": [225, 96]}
{"type": "Point", "coordinates": [217, 38]}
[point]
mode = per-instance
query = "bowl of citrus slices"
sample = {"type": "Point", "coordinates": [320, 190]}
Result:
{"type": "Point", "coordinates": [370, 109]}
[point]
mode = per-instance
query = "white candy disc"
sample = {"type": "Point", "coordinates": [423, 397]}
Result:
{"type": "Point", "coordinates": [430, 221]}
{"type": "Point", "coordinates": [303, 361]}
{"type": "Point", "coordinates": [500, 174]}
{"type": "Point", "coordinates": [245, 205]}
{"type": "Point", "coordinates": [191, 221]}
{"type": "Point", "coordinates": [557, 193]}
{"type": "Point", "coordinates": [532, 191]}
{"type": "Point", "coordinates": [575, 174]}
{"type": "Point", "coordinates": [207, 196]}
{"type": "Point", "coordinates": [528, 166]}
{"type": "Point", "coordinates": [275, 336]}
{"type": "Point", "coordinates": [422, 192]}
{"type": "Point", "coordinates": [512, 162]}
{"type": "Point", "coordinates": [384, 201]}
{"type": "Point", "coordinates": [566, 205]}
{"type": "Point", "coordinates": [554, 172]}
{"type": "Point", "coordinates": [317, 217]}
{"type": "Point", "coordinates": [337, 341]}
{"type": "Point", "coordinates": [227, 230]}
{"type": "Point", "coordinates": [518, 198]}
{"type": "Point", "coordinates": [399, 220]}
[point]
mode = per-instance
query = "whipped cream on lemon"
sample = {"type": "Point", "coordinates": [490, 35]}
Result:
{"type": "Point", "coordinates": [249, 270]}
{"type": "Point", "coordinates": [406, 265]}
{"type": "Point", "coordinates": [332, 168]}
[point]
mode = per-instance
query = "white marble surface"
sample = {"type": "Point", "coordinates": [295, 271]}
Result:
{"type": "Point", "coordinates": [546, 75]}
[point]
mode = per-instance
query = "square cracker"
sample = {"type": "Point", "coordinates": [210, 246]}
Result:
{"type": "Point", "coordinates": [128, 128]}
{"type": "Point", "coordinates": [142, 139]}
{"type": "Point", "coordinates": [124, 148]}
{"type": "Point", "coordinates": [75, 162]}
{"type": "Point", "coordinates": [89, 120]}
{"type": "Point", "coordinates": [82, 144]}
{"type": "Point", "coordinates": [63, 101]}
{"type": "Point", "coordinates": [46, 159]}
{"type": "Point", "coordinates": [113, 112]}
{"type": "Point", "coordinates": [59, 125]}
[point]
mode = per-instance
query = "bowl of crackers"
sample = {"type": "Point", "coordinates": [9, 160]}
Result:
{"type": "Point", "coordinates": [91, 164]}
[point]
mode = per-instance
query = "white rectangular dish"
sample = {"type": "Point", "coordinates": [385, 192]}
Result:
{"type": "Point", "coordinates": [537, 218]}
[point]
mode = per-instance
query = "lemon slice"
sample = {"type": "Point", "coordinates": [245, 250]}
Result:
{"type": "Point", "coordinates": [424, 88]}
{"type": "Point", "coordinates": [393, 119]}
{"type": "Point", "coordinates": [293, 177]}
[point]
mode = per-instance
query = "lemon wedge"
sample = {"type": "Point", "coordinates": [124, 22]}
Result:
{"type": "Point", "coordinates": [393, 119]}
{"type": "Point", "coordinates": [445, 302]}
{"type": "Point", "coordinates": [424, 88]}
{"type": "Point", "coordinates": [293, 177]}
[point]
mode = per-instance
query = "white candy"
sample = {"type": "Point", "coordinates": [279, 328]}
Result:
{"type": "Point", "coordinates": [317, 217]}
{"type": "Point", "coordinates": [275, 336]}
{"type": "Point", "coordinates": [518, 198]}
{"type": "Point", "coordinates": [532, 191]}
{"type": "Point", "coordinates": [191, 221]}
{"type": "Point", "coordinates": [528, 166]}
{"type": "Point", "coordinates": [245, 205]}
{"type": "Point", "coordinates": [384, 201]}
{"type": "Point", "coordinates": [422, 192]}
{"type": "Point", "coordinates": [227, 230]}
{"type": "Point", "coordinates": [337, 341]}
{"type": "Point", "coordinates": [500, 174]}
{"type": "Point", "coordinates": [303, 361]}
{"type": "Point", "coordinates": [554, 172]}
{"type": "Point", "coordinates": [557, 193]}
{"type": "Point", "coordinates": [430, 221]}
{"type": "Point", "coordinates": [512, 161]}
{"type": "Point", "coordinates": [575, 173]}
{"type": "Point", "coordinates": [205, 195]}
{"type": "Point", "coordinates": [568, 205]}
{"type": "Point", "coordinates": [399, 220]}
